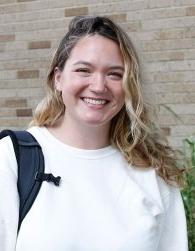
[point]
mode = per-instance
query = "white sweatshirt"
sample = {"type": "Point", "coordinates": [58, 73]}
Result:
{"type": "Point", "coordinates": [102, 203]}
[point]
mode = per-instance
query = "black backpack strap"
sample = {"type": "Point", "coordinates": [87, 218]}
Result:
{"type": "Point", "coordinates": [30, 161]}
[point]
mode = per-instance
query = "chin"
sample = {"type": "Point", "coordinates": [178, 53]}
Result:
{"type": "Point", "coordinates": [95, 123]}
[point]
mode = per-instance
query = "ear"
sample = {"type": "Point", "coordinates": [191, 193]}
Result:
{"type": "Point", "coordinates": [58, 79]}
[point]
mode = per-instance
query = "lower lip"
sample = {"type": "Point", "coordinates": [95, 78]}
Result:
{"type": "Point", "coordinates": [94, 106]}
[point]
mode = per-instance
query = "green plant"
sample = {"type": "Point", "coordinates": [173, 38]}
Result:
{"type": "Point", "coordinates": [188, 193]}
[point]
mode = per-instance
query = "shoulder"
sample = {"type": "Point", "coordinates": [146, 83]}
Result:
{"type": "Point", "coordinates": [41, 134]}
{"type": "Point", "coordinates": [6, 143]}
{"type": "Point", "coordinates": [6, 148]}
{"type": "Point", "coordinates": [7, 157]}
{"type": "Point", "coordinates": [154, 186]}
{"type": "Point", "coordinates": [37, 131]}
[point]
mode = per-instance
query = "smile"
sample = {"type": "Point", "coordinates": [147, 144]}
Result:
{"type": "Point", "coordinates": [94, 101]}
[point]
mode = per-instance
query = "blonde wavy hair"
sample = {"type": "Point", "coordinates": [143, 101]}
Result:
{"type": "Point", "coordinates": [132, 129]}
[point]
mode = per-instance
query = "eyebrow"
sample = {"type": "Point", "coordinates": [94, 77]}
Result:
{"type": "Point", "coordinates": [114, 67]}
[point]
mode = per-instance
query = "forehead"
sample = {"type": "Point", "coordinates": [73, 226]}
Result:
{"type": "Point", "coordinates": [96, 47]}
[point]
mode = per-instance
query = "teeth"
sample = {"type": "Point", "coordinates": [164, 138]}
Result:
{"type": "Point", "coordinates": [94, 101]}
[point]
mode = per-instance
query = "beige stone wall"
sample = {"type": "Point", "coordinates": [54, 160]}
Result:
{"type": "Point", "coordinates": [163, 32]}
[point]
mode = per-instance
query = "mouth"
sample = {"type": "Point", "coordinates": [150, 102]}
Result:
{"type": "Point", "coordinates": [94, 101]}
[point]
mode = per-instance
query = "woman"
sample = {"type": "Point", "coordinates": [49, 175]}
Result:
{"type": "Point", "coordinates": [119, 188]}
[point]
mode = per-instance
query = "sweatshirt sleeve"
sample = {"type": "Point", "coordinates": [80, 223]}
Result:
{"type": "Point", "coordinates": [9, 201]}
{"type": "Point", "coordinates": [174, 230]}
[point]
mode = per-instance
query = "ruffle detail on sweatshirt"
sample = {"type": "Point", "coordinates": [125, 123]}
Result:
{"type": "Point", "coordinates": [139, 201]}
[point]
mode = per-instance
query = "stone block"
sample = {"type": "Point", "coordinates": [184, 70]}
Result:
{"type": "Point", "coordinates": [190, 11]}
{"type": "Point", "coordinates": [25, 112]}
{"type": "Point", "coordinates": [20, 1]}
{"type": "Point", "coordinates": [7, 37]}
{"type": "Point", "coordinates": [7, 1]}
{"type": "Point", "coordinates": [15, 102]}
{"type": "Point", "coordinates": [7, 112]}
{"type": "Point", "coordinates": [158, 56]}
{"type": "Point", "coordinates": [175, 98]}
{"type": "Point", "coordinates": [117, 7]}
{"type": "Point", "coordinates": [27, 74]}
{"type": "Point", "coordinates": [182, 130]}
{"type": "Point", "coordinates": [118, 17]}
{"type": "Point", "coordinates": [132, 26]}
{"type": "Point", "coordinates": [39, 45]}
{"type": "Point", "coordinates": [77, 11]}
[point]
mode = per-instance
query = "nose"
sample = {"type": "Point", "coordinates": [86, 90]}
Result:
{"type": "Point", "coordinates": [98, 84]}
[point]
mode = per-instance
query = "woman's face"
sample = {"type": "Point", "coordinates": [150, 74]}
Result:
{"type": "Point", "coordinates": [91, 81]}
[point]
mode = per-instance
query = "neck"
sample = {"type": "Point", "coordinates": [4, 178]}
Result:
{"type": "Point", "coordinates": [81, 135]}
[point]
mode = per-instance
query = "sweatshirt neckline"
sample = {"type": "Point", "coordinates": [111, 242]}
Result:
{"type": "Point", "coordinates": [78, 152]}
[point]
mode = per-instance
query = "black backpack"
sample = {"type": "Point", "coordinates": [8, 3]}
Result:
{"type": "Point", "coordinates": [30, 161]}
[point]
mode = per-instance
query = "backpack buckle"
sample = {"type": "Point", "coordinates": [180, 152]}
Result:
{"type": "Point", "coordinates": [47, 177]}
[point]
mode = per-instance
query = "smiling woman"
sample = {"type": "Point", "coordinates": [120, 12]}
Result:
{"type": "Point", "coordinates": [91, 90]}
{"type": "Point", "coordinates": [120, 180]}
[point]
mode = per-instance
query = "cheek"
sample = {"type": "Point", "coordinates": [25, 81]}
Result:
{"type": "Point", "coordinates": [71, 91]}
{"type": "Point", "coordinates": [121, 103]}
{"type": "Point", "coordinates": [120, 94]}
{"type": "Point", "coordinates": [120, 98]}
{"type": "Point", "coordinates": [74, 84]}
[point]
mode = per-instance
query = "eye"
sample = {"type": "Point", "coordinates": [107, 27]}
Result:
{"type": "Point", "coordinates": [116, 75]}
{"type": "Point", "coordinates": [83, 70]}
